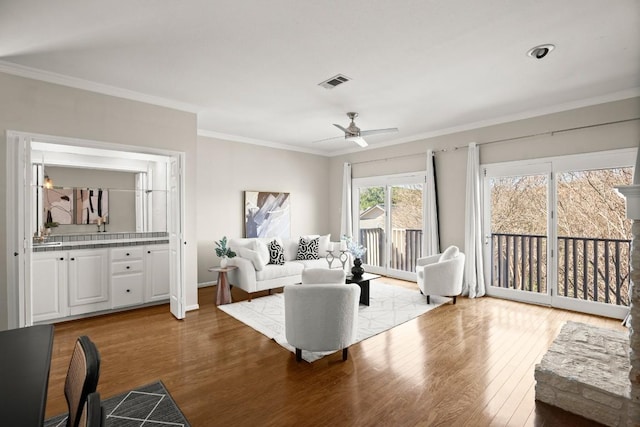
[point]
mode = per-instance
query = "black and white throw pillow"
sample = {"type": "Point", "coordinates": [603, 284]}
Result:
{"type": "Point", "coordinates": [276, 253]}
{"type": "Point", "coordinates": [308, 248]}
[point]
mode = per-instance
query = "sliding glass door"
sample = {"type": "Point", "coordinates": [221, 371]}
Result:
{"type": "Point", "coordinates": [556, 232]}
{"type": "Point", "coordinates": [517, 220]}
{"type": "Point", "coordinates": [389, 222]}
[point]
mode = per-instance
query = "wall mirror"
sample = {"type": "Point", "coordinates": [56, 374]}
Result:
{"type": "Point", "coordinates": [82, 190]}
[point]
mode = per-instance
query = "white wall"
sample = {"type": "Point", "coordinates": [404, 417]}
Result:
{"type": "Point", "coordinates": [38, 107]}
{"type": "Point", "coordinates": [451, 164]}
{"type": "Point", "coordinates": [226, 169]}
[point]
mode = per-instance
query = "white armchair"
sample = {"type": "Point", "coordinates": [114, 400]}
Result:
{"type": "Point", "coordinates": [323, 275]}
{"type": "Point", "coordinates": [441, 274]}
{"type": "Point", "coordinates": [321, 316]}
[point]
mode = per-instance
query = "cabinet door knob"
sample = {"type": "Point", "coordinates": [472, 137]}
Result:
{"type": "Point", "coordinates": [128, 290]}
{"type": "Point", "coordinates": [61, 259]}
{"type": "Point", "coordinates": [128, 267]}
{"type": "Point", "coordinates": [127, 253]}
{"type": "Point", "coordinates": [148, 252]}
{"type": "Point", "coordinates": [72, 259]}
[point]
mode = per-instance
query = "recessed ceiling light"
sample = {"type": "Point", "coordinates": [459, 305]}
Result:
{"type": "Point", "coordinates": [541, 51]}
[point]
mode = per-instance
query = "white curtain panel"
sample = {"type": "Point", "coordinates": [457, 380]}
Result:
{"type": "Point", "coordinates": [473, 284]}
{"type": "Point", "coordinates": [430, 242]}
{"type": "Point", "coordinates": [346, 222]}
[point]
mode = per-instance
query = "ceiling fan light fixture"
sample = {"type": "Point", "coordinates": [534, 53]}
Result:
{"type": "Point", "coordinates": [352, 133]}
{"type": "Point", "coordinates": [539, 52]}
{"type": "Point", "coordinates": [358, 140]}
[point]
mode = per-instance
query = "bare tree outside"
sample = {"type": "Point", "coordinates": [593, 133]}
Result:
{"type": "Point", "coordinates": [593, 234]}
{"type": "Point", "coordinates": [519, 230]}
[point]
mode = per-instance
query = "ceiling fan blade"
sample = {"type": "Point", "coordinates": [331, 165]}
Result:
{"type": "Point", "coordinates": [358, 140]}
{"type": "Point", "coordinates": [342, 128]}
{"type": "Point", "coordinates": [377, 131]}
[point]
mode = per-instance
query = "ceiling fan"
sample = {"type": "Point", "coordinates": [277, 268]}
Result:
{"type": "Point", "coordinates": [354, 134]}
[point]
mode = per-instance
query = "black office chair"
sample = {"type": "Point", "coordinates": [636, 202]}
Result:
{"type": "Point", "coordinates": [93, 413]}
{"type": "Point", "coordinates": [82, 378]}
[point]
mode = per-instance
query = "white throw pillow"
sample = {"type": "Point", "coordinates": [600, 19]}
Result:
{"type": "Point", "coordinates": [253, 256]}
{"type": "Point", "coordinates": [260, 246]}
{"type": "Point", "coordinates": [323, 247]}
{"type": "Point", "coordinates": [290, 247]}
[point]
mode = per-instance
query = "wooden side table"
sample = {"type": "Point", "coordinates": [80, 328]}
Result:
{"type": "Point", "coordinates": [223, 295]}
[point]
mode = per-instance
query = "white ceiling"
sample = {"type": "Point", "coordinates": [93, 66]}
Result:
{"type": "Point", "coordinates": [251, 68]}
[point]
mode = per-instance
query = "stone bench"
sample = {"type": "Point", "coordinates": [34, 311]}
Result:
{"type": "Point", "coordinates": [586, 372]}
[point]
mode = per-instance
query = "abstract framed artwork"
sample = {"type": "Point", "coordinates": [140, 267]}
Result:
{"type": "Point", "coordinates": [267, 214]}
{"type": "Point", "coordinates": [91, 204]}
{"type": "Point", "coordinates": [58, 205]}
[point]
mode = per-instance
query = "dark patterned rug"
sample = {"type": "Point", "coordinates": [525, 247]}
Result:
{"type": "Point", "coordinates": [148, 406]}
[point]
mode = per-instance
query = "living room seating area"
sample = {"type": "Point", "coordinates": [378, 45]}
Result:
{"type": "Point", "coordinates": [262, 266]}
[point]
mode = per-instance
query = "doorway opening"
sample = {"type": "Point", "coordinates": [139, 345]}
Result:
{"type": "Point", "coordinates": [157, 188]}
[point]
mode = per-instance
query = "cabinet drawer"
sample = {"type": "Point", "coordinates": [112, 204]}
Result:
{"type": "Point", "coordinates": [133, 266]}
{"type": "Point", "coordinates": [122, 254]}
{"type": "Point", "coordinates": [126, 290]}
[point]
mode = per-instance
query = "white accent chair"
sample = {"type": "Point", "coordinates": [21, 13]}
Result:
{"type": "Point", "coordinates": [322, 313]}
{"type": "Point", "coordinates": [441, 274]}
{"type": "Point", "coordinates": [323, 275]}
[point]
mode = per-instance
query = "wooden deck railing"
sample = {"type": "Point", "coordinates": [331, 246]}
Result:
{"type": "Point", "coordinates": [406, 247]}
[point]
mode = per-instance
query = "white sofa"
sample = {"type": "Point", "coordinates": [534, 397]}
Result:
{"type": "Point", "coordinates": [254, 273]}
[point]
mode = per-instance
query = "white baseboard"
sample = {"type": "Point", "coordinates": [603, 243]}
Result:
{"type": "Point", "coordinates": [192, 307]}
{"type": "Point", "coordinates": [206, 284]}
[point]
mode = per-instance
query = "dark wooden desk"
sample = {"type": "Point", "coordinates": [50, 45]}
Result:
{"type": "Point", "coordinates": [25, 360]}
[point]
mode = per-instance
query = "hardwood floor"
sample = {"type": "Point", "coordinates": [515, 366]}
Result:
{"type": "Point", "coordinates": [469, 364]}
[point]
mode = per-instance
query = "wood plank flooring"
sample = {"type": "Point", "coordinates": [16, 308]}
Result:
{"type": "Point", "coordinates": [469, 364]}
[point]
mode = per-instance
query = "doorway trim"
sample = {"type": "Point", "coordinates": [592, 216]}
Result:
{"type": "Point", "coordinates": [19, 211]}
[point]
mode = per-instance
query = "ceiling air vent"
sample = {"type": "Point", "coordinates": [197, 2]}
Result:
{"type": "Point", "coordinates": [334, 81]}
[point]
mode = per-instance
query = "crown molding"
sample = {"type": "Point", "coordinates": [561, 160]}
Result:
{"type": "Point", "coordinates": [55, 78]}
{"type": "Point", "coordinates": [264, 143]}
{"type": "Point", "coordinates": [60, 79]}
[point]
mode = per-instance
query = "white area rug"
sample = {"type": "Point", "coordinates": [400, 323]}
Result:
{"type": "Point", "coordinates": [389, 306]}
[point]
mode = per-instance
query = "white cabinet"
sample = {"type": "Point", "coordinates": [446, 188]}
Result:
{"type": "Point", "coordinates": [68, 283]}
{"type": "Point", "coordinates": [88, 280]}
{"type": "Point", "coordinates": [127, 276]}
{"type": "Point", "coordinates": [49, 285]}
{"type": "Point", "coordinates": [156, 273]}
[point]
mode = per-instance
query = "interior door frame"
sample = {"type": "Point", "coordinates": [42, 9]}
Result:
{"type": "Point", "coordinates": [387, 181]}
{"type": "Point", "coordinates": [19, 211]}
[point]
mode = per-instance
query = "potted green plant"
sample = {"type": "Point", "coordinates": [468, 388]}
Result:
{"type": "Point", "coordinates": [223, 251]}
